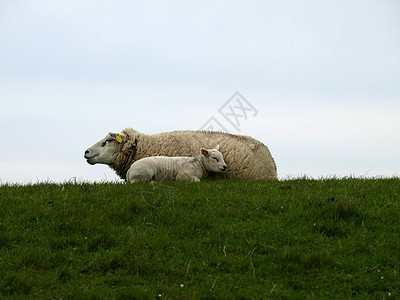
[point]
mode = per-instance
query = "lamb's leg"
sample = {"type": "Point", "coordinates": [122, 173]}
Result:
{"type": "Point", "coordinates": [138, 178]}
{"type": "Point", "coordinates": [195, 179]}
{"type": "Point", "coordinates": [187, 177]}
{"type": "Point", "coordinates": [134, 175]}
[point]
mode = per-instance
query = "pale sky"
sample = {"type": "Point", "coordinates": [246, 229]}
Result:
{"type": "Point", "coordinates": [322, 76]}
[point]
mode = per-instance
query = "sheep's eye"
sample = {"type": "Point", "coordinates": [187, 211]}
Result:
{"type": "Point", "coordinates": [216, 159]}
{"type": "Point", "coordinates": [106, 141]}
{"type": "Point", "coordinates": [109, 140]}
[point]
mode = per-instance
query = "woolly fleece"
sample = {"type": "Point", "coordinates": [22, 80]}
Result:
{"type": "Point", "coordinates": [245, 157]}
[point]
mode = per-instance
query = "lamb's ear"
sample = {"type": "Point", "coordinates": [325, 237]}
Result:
{"type": "Point", "coordinates": [217, 147]}
{"type": "Point", "coordinates": [205, 152]}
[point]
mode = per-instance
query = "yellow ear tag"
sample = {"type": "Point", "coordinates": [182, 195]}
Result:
{"type": "Point", "coordinates": [119, 139]}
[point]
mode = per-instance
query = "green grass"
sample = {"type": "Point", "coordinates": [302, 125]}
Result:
{"type": "Point", "coordinates": [293, 239]}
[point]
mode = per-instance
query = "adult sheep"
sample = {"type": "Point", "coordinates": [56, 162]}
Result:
{"type": "Point", "coordinates": [245, 157]}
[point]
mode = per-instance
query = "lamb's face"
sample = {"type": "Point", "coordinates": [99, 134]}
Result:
{"type": "Point", "coordinates": [104, 151]}
{"type": "Point", "coordinates": [213, 160]}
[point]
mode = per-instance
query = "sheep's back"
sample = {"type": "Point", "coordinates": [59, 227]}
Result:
{"type": "Point", "coordinates": [246, 157]}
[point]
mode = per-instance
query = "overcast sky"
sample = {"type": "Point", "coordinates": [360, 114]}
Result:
{"type": "Point", "coordinates": [321, 80]}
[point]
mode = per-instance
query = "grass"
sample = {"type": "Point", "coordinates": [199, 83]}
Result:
{"type": "Point", "coordinates": [294, 239]}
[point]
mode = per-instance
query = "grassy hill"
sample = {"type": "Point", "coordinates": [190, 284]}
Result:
{"type": "Point", "coordinates": [334, 238]}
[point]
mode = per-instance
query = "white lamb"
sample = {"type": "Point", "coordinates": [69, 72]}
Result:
{"type": "Point", "coordinates": [158, 168]}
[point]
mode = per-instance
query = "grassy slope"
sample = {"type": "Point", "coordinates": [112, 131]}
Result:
{"type": "Point", "coordinates": [226, 239]}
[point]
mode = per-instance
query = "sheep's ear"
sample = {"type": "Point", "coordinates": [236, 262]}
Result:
{"type": "Point", "coordinates": [123, 137]}
{"type": "Point", "coordinates": [205, 152]}
{"type": "Point", "coordinates": [119, 137]}
{"type": "Point", "coordinates": [217, 147]}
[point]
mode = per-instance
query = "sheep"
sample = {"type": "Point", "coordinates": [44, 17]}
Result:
{"type": "Point", "coordinates": [246, 157]}
{"type": "Point", "coordinates": [158, 168]}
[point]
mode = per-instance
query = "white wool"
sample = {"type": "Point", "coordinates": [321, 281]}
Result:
{"type": "Point", "coordinates": [246, 157]}
{"type": "Point", "coordinates": [158, 168]}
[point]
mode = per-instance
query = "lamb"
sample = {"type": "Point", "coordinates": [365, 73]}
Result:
{"type": "Point", "coordinates": [158, 168]}
{"type": "Point", "coordinates": [246, 157]}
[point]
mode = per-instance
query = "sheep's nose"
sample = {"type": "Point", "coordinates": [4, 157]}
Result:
{"type": "Point", "coordinates": [87, 152]}
{"type": "Point", "coordinates": [224, 168]}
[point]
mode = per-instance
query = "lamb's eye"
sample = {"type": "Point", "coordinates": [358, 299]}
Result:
{"type": "Point", "coordinates": [216, 159]}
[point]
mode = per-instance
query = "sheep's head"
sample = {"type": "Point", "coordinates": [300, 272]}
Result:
{"type": "Point", "coordinates": [213, 160]}
{"type": "Point", "coordinates": [105, 151]}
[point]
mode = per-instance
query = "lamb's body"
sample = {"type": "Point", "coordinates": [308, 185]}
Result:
{"type": "Point", "coordinates": [158, 168]}
{"type": "Point", "coordinates": [246, 157]}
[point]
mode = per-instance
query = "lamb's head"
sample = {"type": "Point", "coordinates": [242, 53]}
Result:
{"type": "Point", "coordinates": [105, 151]}
{"type": "Point", "coordinates": [213, 160]}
